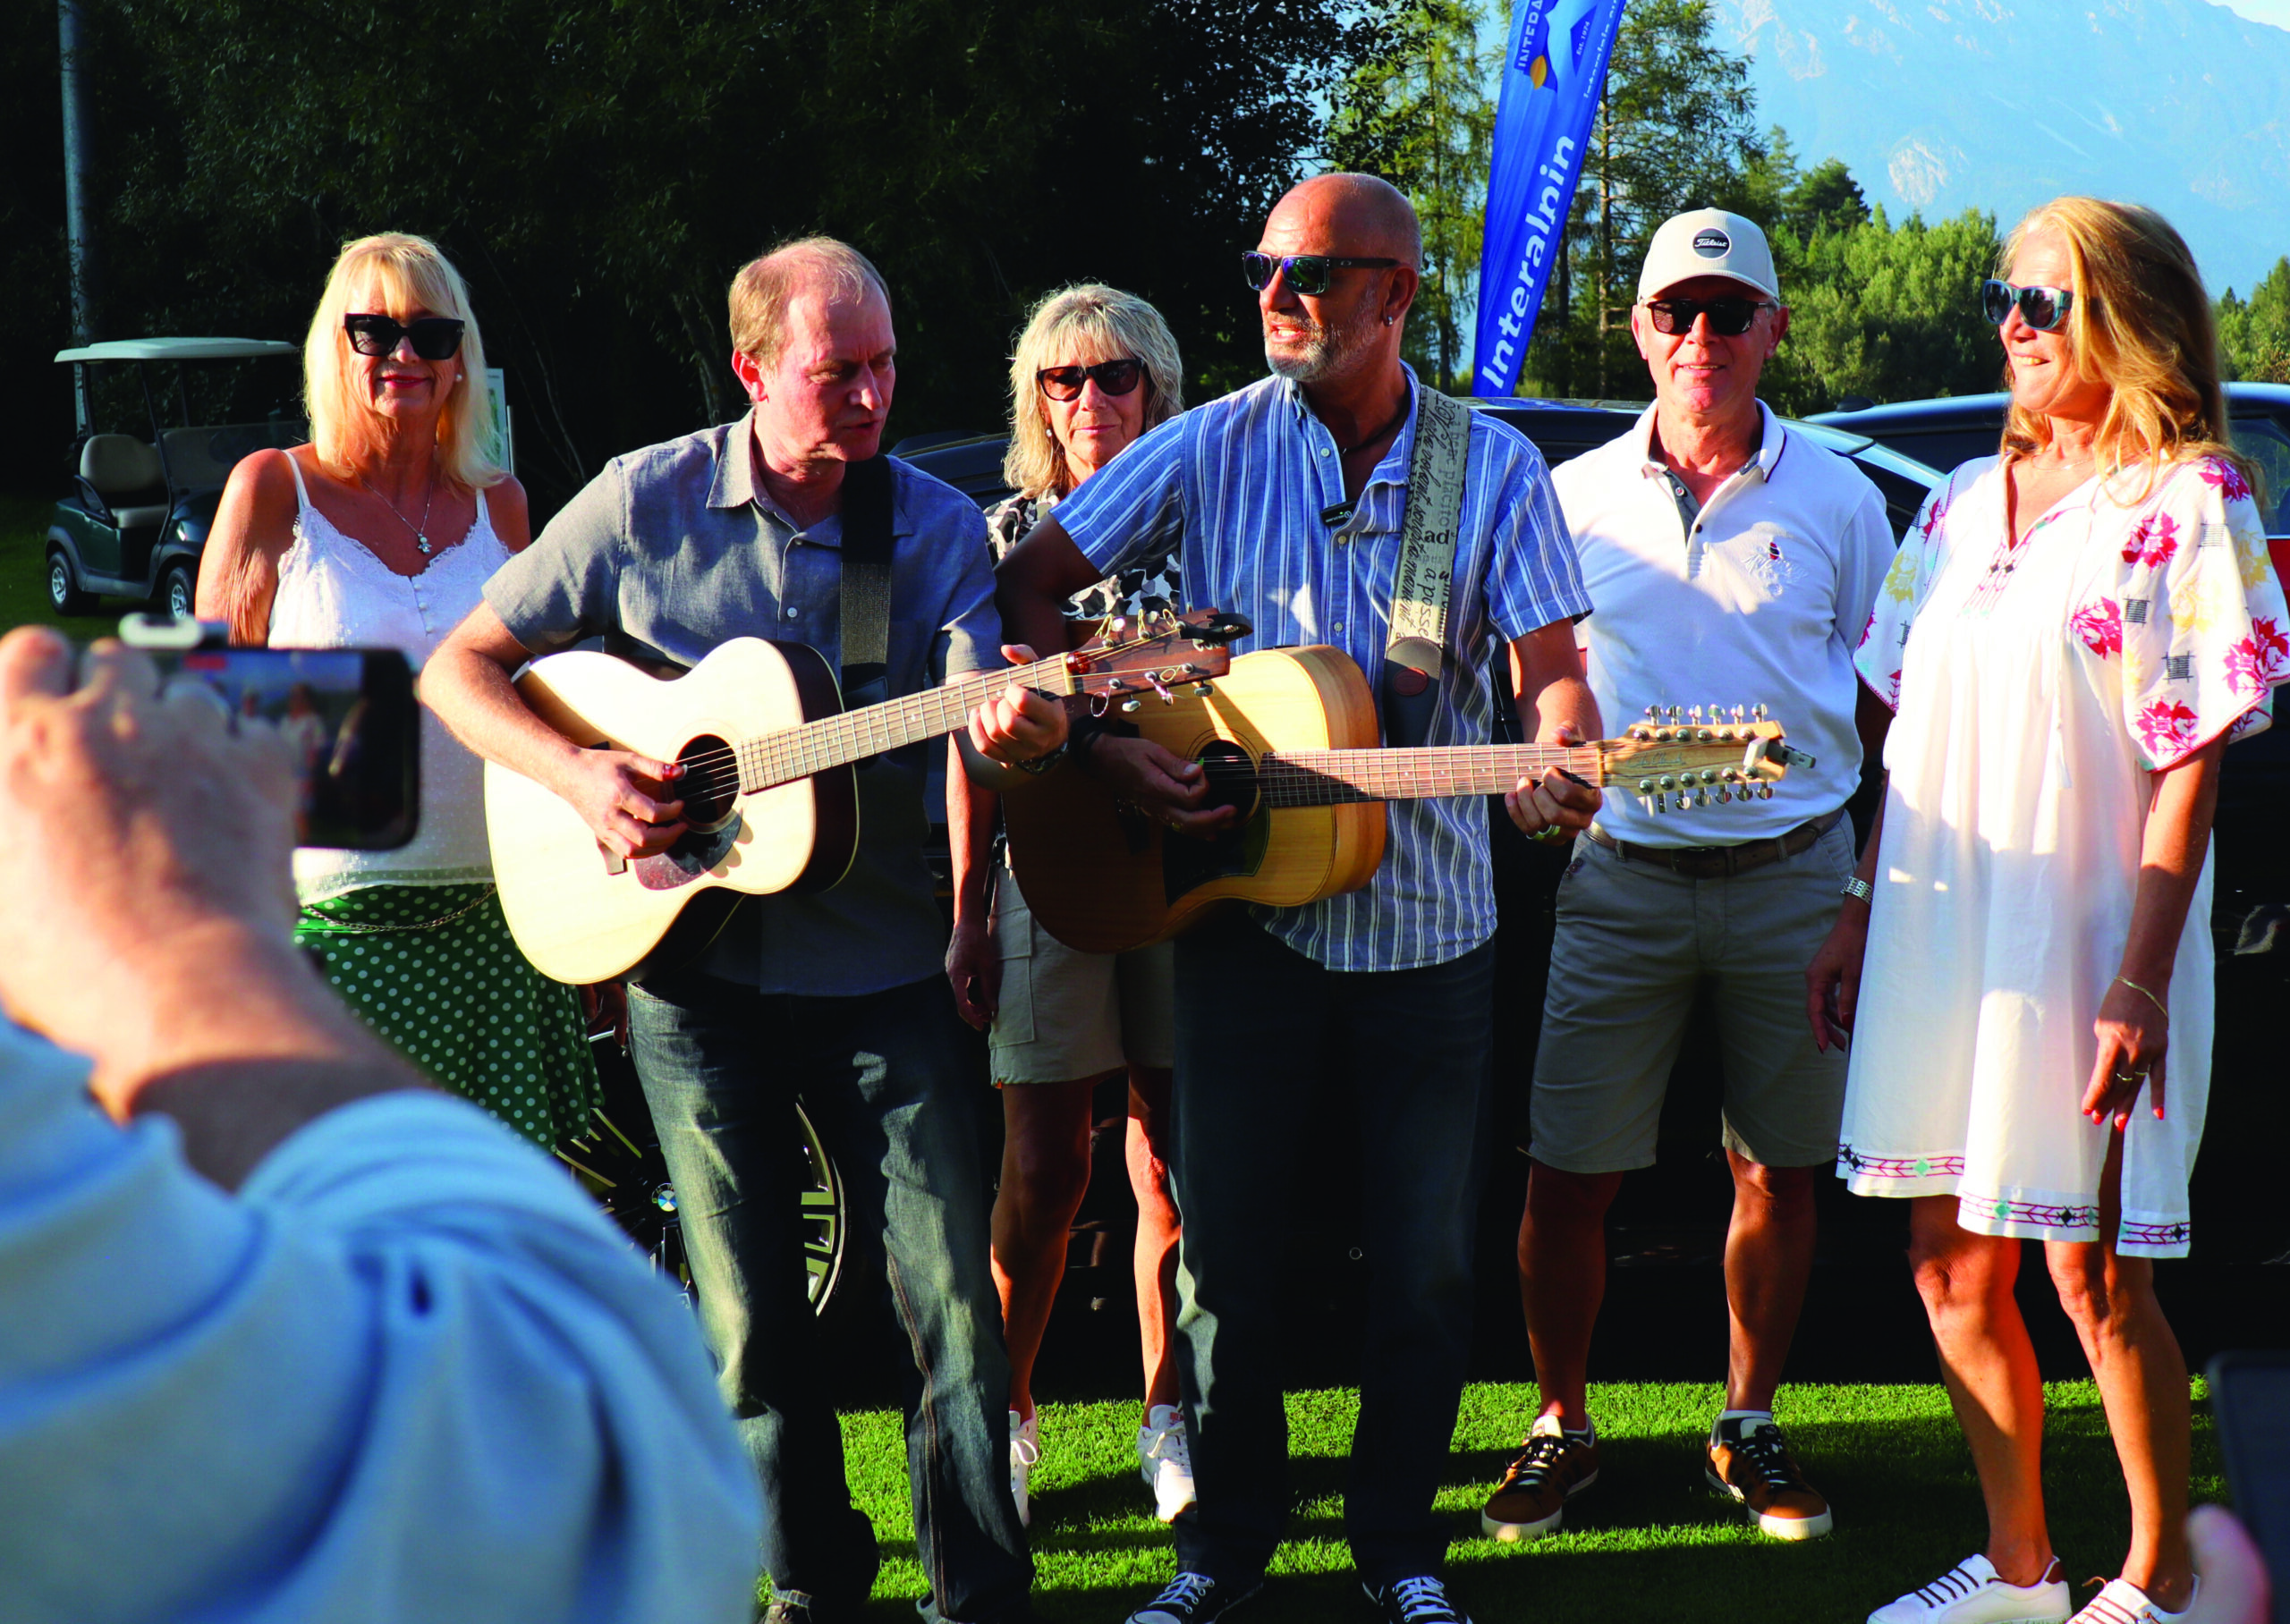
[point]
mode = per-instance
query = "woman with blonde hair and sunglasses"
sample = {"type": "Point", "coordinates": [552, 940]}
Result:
{"type": "Point", "coordinates": [381, 531]}
{"type": "Point", "coordinates": [1095, 369]}
{"type": "Point", "coordinates": [2072, 633]}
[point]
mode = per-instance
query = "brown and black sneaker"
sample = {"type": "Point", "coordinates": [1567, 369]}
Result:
{"type": "Point", "coordinates": [1750, 1459]}
{"type": "Point", "coordinates": [1553, 1467]}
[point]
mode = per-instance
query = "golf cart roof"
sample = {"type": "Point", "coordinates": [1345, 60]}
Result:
{"type": "Point", "coordinates": [178, 350]}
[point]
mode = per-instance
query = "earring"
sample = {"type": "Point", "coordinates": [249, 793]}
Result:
{"type": "Point", "coordinates": [1389, 319]}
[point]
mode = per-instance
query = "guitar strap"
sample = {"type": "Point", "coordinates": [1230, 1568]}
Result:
{"type": "Point", "coordinates": [1416, 652]}
{"type": "Point", "coordinates": [866, 599]}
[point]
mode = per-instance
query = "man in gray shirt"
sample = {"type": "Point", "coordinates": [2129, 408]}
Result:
{"type": "Point", "coordinates": [835, 997]}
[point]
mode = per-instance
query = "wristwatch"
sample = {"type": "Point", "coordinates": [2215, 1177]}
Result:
{"type": "Point", "coordinates": [1042, 763]}
{"type": "Point", "coordinates": [1855, 886]}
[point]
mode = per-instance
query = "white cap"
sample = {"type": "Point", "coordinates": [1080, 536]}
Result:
{"type": "Point", "coordinates": [1707, 242]}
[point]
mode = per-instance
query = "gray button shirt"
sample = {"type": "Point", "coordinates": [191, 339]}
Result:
{"type": "Point", "coordinates": [678, 547]}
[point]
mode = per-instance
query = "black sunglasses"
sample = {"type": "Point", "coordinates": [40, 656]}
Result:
{"type": "Point", "coordinates": [1307, 274]}
{"type": "Point", "coordinates": [2042, 308]}
{"type": "Point", "coordinates": [1728, 317]}
{"type": "Point", "coordinates": [436, 338]}
{"type": "Point", "coordinates": [1066, 382]}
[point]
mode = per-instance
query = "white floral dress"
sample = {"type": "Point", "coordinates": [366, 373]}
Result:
{"type": "Point", "coordinates": [2037, 689]}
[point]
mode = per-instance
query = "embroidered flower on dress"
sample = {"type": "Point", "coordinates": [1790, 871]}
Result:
{"type": "Point", "coordinates": [2166, 727]}
{"type": "Point", "coordinates": [2223, 474]}
{"type": "Point", "coordinates": [2098, 627]}
{"type": "Point", "coordinates": [2153, 542]}
{"type": "Point", "coordinates": [1900, 580]}
{"type": "Point", "coordinates": [2260, 659]}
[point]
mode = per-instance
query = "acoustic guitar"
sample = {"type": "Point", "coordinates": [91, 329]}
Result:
{"type": "Point", "coordinates": [769, 787]}
{"type": "Point", "coordinates": [1285, 738]}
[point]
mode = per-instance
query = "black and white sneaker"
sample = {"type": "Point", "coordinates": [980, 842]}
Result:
{"type": "Point", "coordinates": [1418, 1601]}
{"type": "Point", "coordinates": [1194, 1598]}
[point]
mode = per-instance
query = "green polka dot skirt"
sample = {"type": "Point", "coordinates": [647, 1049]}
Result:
{"type": "Point", "coordinates": [434, 971]}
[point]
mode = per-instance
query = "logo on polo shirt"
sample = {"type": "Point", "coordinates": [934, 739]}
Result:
{"type": "Point", "coordinates": [1711, 243]}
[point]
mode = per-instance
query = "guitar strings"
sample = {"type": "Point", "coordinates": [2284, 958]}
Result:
{"type": "Point", "coordinates": [847, 728]}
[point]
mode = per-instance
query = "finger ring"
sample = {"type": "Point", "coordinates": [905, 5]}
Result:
{"type": "Point", "coordinates": [1548, 832]}
{"type": "Point", "coordinates": [2126, 1076]}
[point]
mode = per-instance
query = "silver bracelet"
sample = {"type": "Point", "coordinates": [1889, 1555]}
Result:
{"type": "Point", "coordinates": [1855, 886]}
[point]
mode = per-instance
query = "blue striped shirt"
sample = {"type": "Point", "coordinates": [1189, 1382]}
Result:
{"type": "Point", "coordinates": [1240, 485]}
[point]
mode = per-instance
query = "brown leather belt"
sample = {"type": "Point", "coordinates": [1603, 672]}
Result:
{"type": "Point", "coordinates": [1717, 862]}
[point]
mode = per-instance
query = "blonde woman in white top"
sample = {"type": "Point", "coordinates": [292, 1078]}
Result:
{"type": "Point", "coordinates": [2072, 634]}
{"type": "Point", "coordinates": [382, 531]}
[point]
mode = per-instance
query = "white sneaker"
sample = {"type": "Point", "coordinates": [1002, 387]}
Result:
{"type": "Point", "coordinates": [1025, 1450]}
{"type": "Point", "coordinates": [1165, 1462]}
{"type": "Point", "coordinates": [1973, 1593]}
{"type": "Point", "coordinates": [2120, 1602]}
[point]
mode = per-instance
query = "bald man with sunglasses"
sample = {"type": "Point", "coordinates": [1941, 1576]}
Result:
{"type": "Point", "coordinates": [1732, 560]}
{"type": "Point", "coordinates": [1288, 501]}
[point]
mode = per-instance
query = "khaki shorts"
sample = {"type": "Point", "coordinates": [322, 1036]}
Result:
{"type": "Point", "coordinates": [1635, 941]}
{"type": "Point", "coordinates": [1064, 1015]}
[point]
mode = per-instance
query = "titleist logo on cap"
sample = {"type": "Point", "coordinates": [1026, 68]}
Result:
{"type": "Point", "coordinates": [1711, 243]}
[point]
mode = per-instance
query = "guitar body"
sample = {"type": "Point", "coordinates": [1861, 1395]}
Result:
{"type": "Point", "coordinates": [583, 918]}
{"type": "Point", "coordinates": [1102, 877]}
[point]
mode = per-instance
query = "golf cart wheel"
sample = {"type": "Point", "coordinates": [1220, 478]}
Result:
{"type": "Point", "coordinates": [178, 591]}
{"type": "Point", "coordinates": [63, 594]}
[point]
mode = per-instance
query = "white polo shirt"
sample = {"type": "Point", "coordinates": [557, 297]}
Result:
{"type": "Point", "coordinates": [1759, 599]}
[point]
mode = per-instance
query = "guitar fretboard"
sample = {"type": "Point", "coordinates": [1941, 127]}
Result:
{"type": "Point", "coordinates": [1323, 778]}
{"type": "Point", "coordinates": [833, 741]}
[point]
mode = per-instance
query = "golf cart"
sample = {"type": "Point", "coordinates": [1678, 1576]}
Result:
{"type": "Point", "coordinates": [139, 510]}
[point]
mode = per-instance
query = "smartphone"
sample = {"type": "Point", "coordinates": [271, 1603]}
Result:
{"type": "Point", "coordinates": [348, 715]}
{"type": "Point", "coordinates": [2250, 1397]}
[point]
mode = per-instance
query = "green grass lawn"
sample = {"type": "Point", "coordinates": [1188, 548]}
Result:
{"type": "Point", "coordinates": [23, 574]}
{"type": "Point", "coordinates": [1650, 1543]}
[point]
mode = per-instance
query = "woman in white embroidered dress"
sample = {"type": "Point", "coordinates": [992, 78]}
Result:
{"type": "Point", "coordinates": [381, 531]}
{"type": "Point", "coordinates": [2072, 634]}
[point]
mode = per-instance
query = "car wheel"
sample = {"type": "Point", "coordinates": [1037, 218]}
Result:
{"type": "Point", "coordinates": [178, 591]}
{"type": "Point", "coordinates": [617, 1155]}
{"type": "Point", "coordinates": [63, 594]}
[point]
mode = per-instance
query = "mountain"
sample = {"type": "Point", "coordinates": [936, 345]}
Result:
{"type": "Point", "coordinates": [1946, 104]}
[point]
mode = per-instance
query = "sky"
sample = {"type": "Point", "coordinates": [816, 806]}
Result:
{"type": "Point", "coordinates": [2275, 12]}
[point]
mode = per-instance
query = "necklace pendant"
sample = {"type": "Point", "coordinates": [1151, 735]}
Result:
{"type": "Point", "coordinates": [421, 542]}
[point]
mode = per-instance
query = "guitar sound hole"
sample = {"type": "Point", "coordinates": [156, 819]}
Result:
{"type": "Point", "coordinates": [1232, 782]}
{"type": "Point", "coordinates": [711, 784]}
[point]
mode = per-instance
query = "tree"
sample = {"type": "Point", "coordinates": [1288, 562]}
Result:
{"type": "Point", "coordinates": [599, 169]}
{"type": "Point", "coordinates": [2254, 336]}
{"type": "Point", "coordinates": [1674, 130]}
{"type": "Point", "coordinates": [1884, 312]}
{"type": "Point", "coordinates": [1417, 112]}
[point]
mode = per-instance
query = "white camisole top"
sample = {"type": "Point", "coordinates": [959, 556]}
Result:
{"type": "Point", "coordinates": [334, 594]}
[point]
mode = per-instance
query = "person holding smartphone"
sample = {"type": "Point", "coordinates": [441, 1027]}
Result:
{"type": "Point", "coordinates": [383, 530]}
{"type": "Point", "coordinates": [289, 1333]}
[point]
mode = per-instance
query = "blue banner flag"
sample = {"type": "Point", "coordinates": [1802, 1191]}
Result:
{"type": "Point", "coordinates": [1551, 80]}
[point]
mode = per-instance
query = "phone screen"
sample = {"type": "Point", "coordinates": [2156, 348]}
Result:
{"type": "Point", "coordinates": [351, 722]}
{"type": "Point", "coordinates": [2249, 1395]}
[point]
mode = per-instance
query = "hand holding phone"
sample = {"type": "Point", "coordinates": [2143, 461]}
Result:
{"type": "Point", "coordinates": [348, 717]}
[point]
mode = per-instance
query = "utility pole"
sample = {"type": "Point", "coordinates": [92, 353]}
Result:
{"type": "Point", "coordinates": [79, 147]}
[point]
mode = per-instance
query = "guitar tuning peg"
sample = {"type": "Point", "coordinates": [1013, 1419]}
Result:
{"type": "Point", "coordinates": [1693, 714]}
{"type": "Point", "coordinates": [1737, 713]}
{"type": "Point", "coordinates": [1653, 712]}
{"type": "Point", "coordinates": [1673, 715]}
{"type": "Point", "coordinates": [1759, 712]}
{"type": "Point", "coordinates": [1204, 687]}
{"type": "Point", "coordinates": [1130, 707]}
{"type": "Point", "coordinates": [1723, 795]}
{"type": "Point", "coordinates": [1765, 791]}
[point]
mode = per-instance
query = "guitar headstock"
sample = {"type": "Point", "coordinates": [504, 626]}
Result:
{"type": "Point", "coordinates": [1683, 759]}
{"type": "Point", "coordinates": [1155, 652]}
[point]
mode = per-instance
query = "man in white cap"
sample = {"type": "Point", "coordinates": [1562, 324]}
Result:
{"type": "Point", "coordinates": [1731, 561]}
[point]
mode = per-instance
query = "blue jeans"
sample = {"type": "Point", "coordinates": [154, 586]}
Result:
{"type": "Point", "coordinates": [1263, 1034]}
{"type": "Point", "coordinates": [883, 1079]}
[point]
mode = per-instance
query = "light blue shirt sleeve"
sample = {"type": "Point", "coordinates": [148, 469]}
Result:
{"type": "Point", "coordinates": [1534, 576]}
{"type": "Point", "coordinates": [407, 1373]}
{"type": "Point", "coordinates": [1134, 507]}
